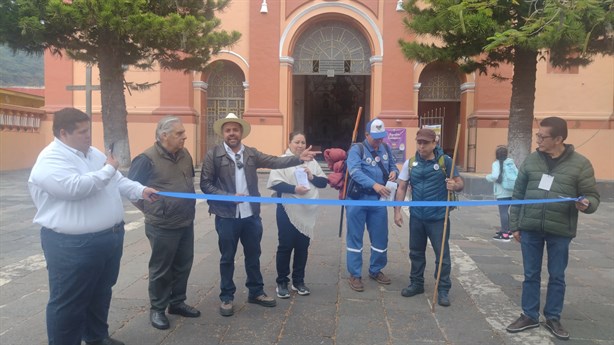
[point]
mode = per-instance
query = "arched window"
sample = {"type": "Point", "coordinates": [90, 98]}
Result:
{"type": "Point", "coordinates": [439, 83]}
{"type": "Point", "coordinates": [225, 94]}
{"type": "Point", "coordinates": [332, 48]}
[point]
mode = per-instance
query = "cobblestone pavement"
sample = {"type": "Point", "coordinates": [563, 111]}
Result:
{"type": "Point", "coordinates": [485, 295]}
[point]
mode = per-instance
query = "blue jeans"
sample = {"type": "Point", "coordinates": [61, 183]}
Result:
{"type": "Point", "coordinates": [532, 245]}
{"type": "Point", "coordinates": [290, 239]}
{"type": "Point", "coordinates": [504, 215]}
{"type": "Point", "coordinates": [376, 220]}
{"type": "Point", "coordinates": [230, 231]}
{"type": "Point", "coordinates": [82, 270]}
{"type": "Point", "coordinates": [419, 232]}
{"type": "Point", "coordinates": [172, 254]}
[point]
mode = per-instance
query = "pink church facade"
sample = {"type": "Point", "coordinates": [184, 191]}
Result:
{"type": "Point", "coordinates": [310, 65]}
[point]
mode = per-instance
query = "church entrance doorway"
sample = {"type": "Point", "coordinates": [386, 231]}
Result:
{"type": "Point", "coordinates": [439, 102]}
{"type": "Point", "coordinates": [330, 108]}
{"type": "Point", "coordinates": [331, 81]}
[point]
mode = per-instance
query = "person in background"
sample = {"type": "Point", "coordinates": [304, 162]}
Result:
{"type": "Point", "coordinates": [554, 170]}
{"type": "Point", "coordinates": [169, 224]}
{"type": "Point", "coordinates": [503, 168]}
{"type": "Point", "coordinates": [77, 192]}
{"type": "Point", "coordinates": [295, 222]}
{"type": "Point", "coordinates": [230, 169]}
{"type": "Point", "coordinates": [370, 167]}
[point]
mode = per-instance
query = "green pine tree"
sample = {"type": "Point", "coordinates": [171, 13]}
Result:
{"type": "Point", "coordinates": [479, 35]}
{"type": "Point", "coordinates": [115, 34]}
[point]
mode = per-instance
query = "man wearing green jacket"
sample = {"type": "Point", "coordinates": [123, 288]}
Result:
{"type": "Point", "coordinates": [554, 170]}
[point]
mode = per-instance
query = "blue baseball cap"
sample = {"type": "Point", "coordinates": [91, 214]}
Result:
{"type": "Point", "coordinates": [376, 129]}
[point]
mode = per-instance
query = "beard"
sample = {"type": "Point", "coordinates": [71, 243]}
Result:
{"type": "Point", "coordinates": [233, 142]}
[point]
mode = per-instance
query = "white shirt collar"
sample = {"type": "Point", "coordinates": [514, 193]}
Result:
{"type": "Point", "coordinates": [231, 153]}
{"type": "Point", "coordinates": [72, 149]}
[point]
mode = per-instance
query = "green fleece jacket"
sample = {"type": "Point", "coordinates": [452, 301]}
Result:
{"type": "Point", "coordinates": [573, 177]}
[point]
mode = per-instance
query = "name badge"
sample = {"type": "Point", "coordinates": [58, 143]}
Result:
{"type": "Point", "coordinates": [546, 182]}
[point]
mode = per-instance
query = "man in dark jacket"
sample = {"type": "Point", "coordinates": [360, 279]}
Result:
{"type": "Point", "coordinates": [427, 181]}
{"type": "Point", "coordinates": [169, 223]}
{"type": "Point", "coordinates": [230, 169]}
{"type": "Point", "coordinates": [554, 171]}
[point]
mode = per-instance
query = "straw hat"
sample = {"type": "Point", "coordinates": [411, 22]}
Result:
{"type": "Point", "coordinates": [217, 125]}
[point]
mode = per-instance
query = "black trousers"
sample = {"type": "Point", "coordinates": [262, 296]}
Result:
{"type": "Point", "coordinates": [172, 254]}
{"type": "Point", "coordinates": [290, 239]}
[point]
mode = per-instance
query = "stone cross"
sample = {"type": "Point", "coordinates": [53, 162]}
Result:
{"type": "Point", "coordinates": [88, 88]}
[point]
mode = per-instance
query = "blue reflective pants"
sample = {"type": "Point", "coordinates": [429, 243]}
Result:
{"type": "Point", "coordinates": [376, 220]}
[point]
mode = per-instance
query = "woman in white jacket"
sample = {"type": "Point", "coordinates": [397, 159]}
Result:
{"type": "Point", "coordinates": [295, 222]}
{"type": "Point", "coordinates": [503, 173]}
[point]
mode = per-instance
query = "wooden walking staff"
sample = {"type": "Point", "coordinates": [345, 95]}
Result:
{"type": "Point", "coordinates": [345, 178]}
{"type": "Point", "coordinates": [445, 222]}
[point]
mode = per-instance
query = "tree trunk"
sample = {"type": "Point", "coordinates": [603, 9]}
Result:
{"type": "Point", "coordinates": [520, 131]}
{"type": "Point", "coordinates": [113, 100]}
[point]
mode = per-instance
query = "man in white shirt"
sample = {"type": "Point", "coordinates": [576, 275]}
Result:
{"type": "Point", "coordinates": [77, 191]}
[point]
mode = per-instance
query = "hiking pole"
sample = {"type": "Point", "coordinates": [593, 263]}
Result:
{"type": "Point", "coordinates": [445, 221]}
{"type": "Point", "coordinates": [345, 178]}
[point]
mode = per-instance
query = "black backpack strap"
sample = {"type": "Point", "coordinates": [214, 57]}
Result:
{"type": "Point", "coordinates": [380, 164]}
{"type": "Point", "coordinates": [389, 152]}
{"type": "Point", "coordinates": [362, 149]}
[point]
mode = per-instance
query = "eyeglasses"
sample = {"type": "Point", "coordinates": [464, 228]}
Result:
{"type": "Point", "coordinates": [238, 161]}
{"type": "Point", "coordinates": [540, 137]}
{"type": "Point", "coordinates": [423, 142]}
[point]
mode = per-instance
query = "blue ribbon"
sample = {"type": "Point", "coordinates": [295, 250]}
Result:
{"type": "Point", "coordinates": [333, 202]}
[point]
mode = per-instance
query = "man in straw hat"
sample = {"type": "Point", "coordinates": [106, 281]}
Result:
{"type": "Point", "coordinates": [230, 169]}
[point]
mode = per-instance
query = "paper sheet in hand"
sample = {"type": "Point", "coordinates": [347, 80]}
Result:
{"type": "Point", "coordinates": [301, 177]}
{"type": "Point", "coordinates": [392, 186]}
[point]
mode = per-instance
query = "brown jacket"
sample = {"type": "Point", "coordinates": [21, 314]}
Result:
{"type": "Point", "coordinates": [218, 176]}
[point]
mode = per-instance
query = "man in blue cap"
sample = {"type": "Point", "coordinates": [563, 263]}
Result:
{"type": "Point", "coordinates": [370, 165]}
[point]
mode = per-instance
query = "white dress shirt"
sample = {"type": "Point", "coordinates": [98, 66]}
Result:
{"type": "Point", "coordinates": [77, 194]}
{"type": "Point", "coordinates": [244, 209]}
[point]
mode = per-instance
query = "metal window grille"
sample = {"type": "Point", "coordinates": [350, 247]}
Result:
{"type": "Point", "coordinates": [225, 94]}
{"type": "Point", "coordinates": [332, 48]}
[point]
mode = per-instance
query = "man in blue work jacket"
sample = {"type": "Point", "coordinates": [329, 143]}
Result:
{"type": "Point", "coordinates": [370, 167]}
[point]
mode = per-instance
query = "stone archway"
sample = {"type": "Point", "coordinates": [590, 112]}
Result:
{"type": "Point", "coordinates": [439, 101]}
{"type": "Point", "coordinates": [331, 79]}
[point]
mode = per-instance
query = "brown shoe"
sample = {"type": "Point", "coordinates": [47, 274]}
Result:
{"type": "Point", "coordinates": [555, 327]}
{"type": "Point", "coordinates": [356, 284]}
{"type": "Point", "coordinates": [263, 300]}
{"type": "Point", "coordinates": [522, 323]}
{"type": "Point", "coordinates": [381, 278]}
